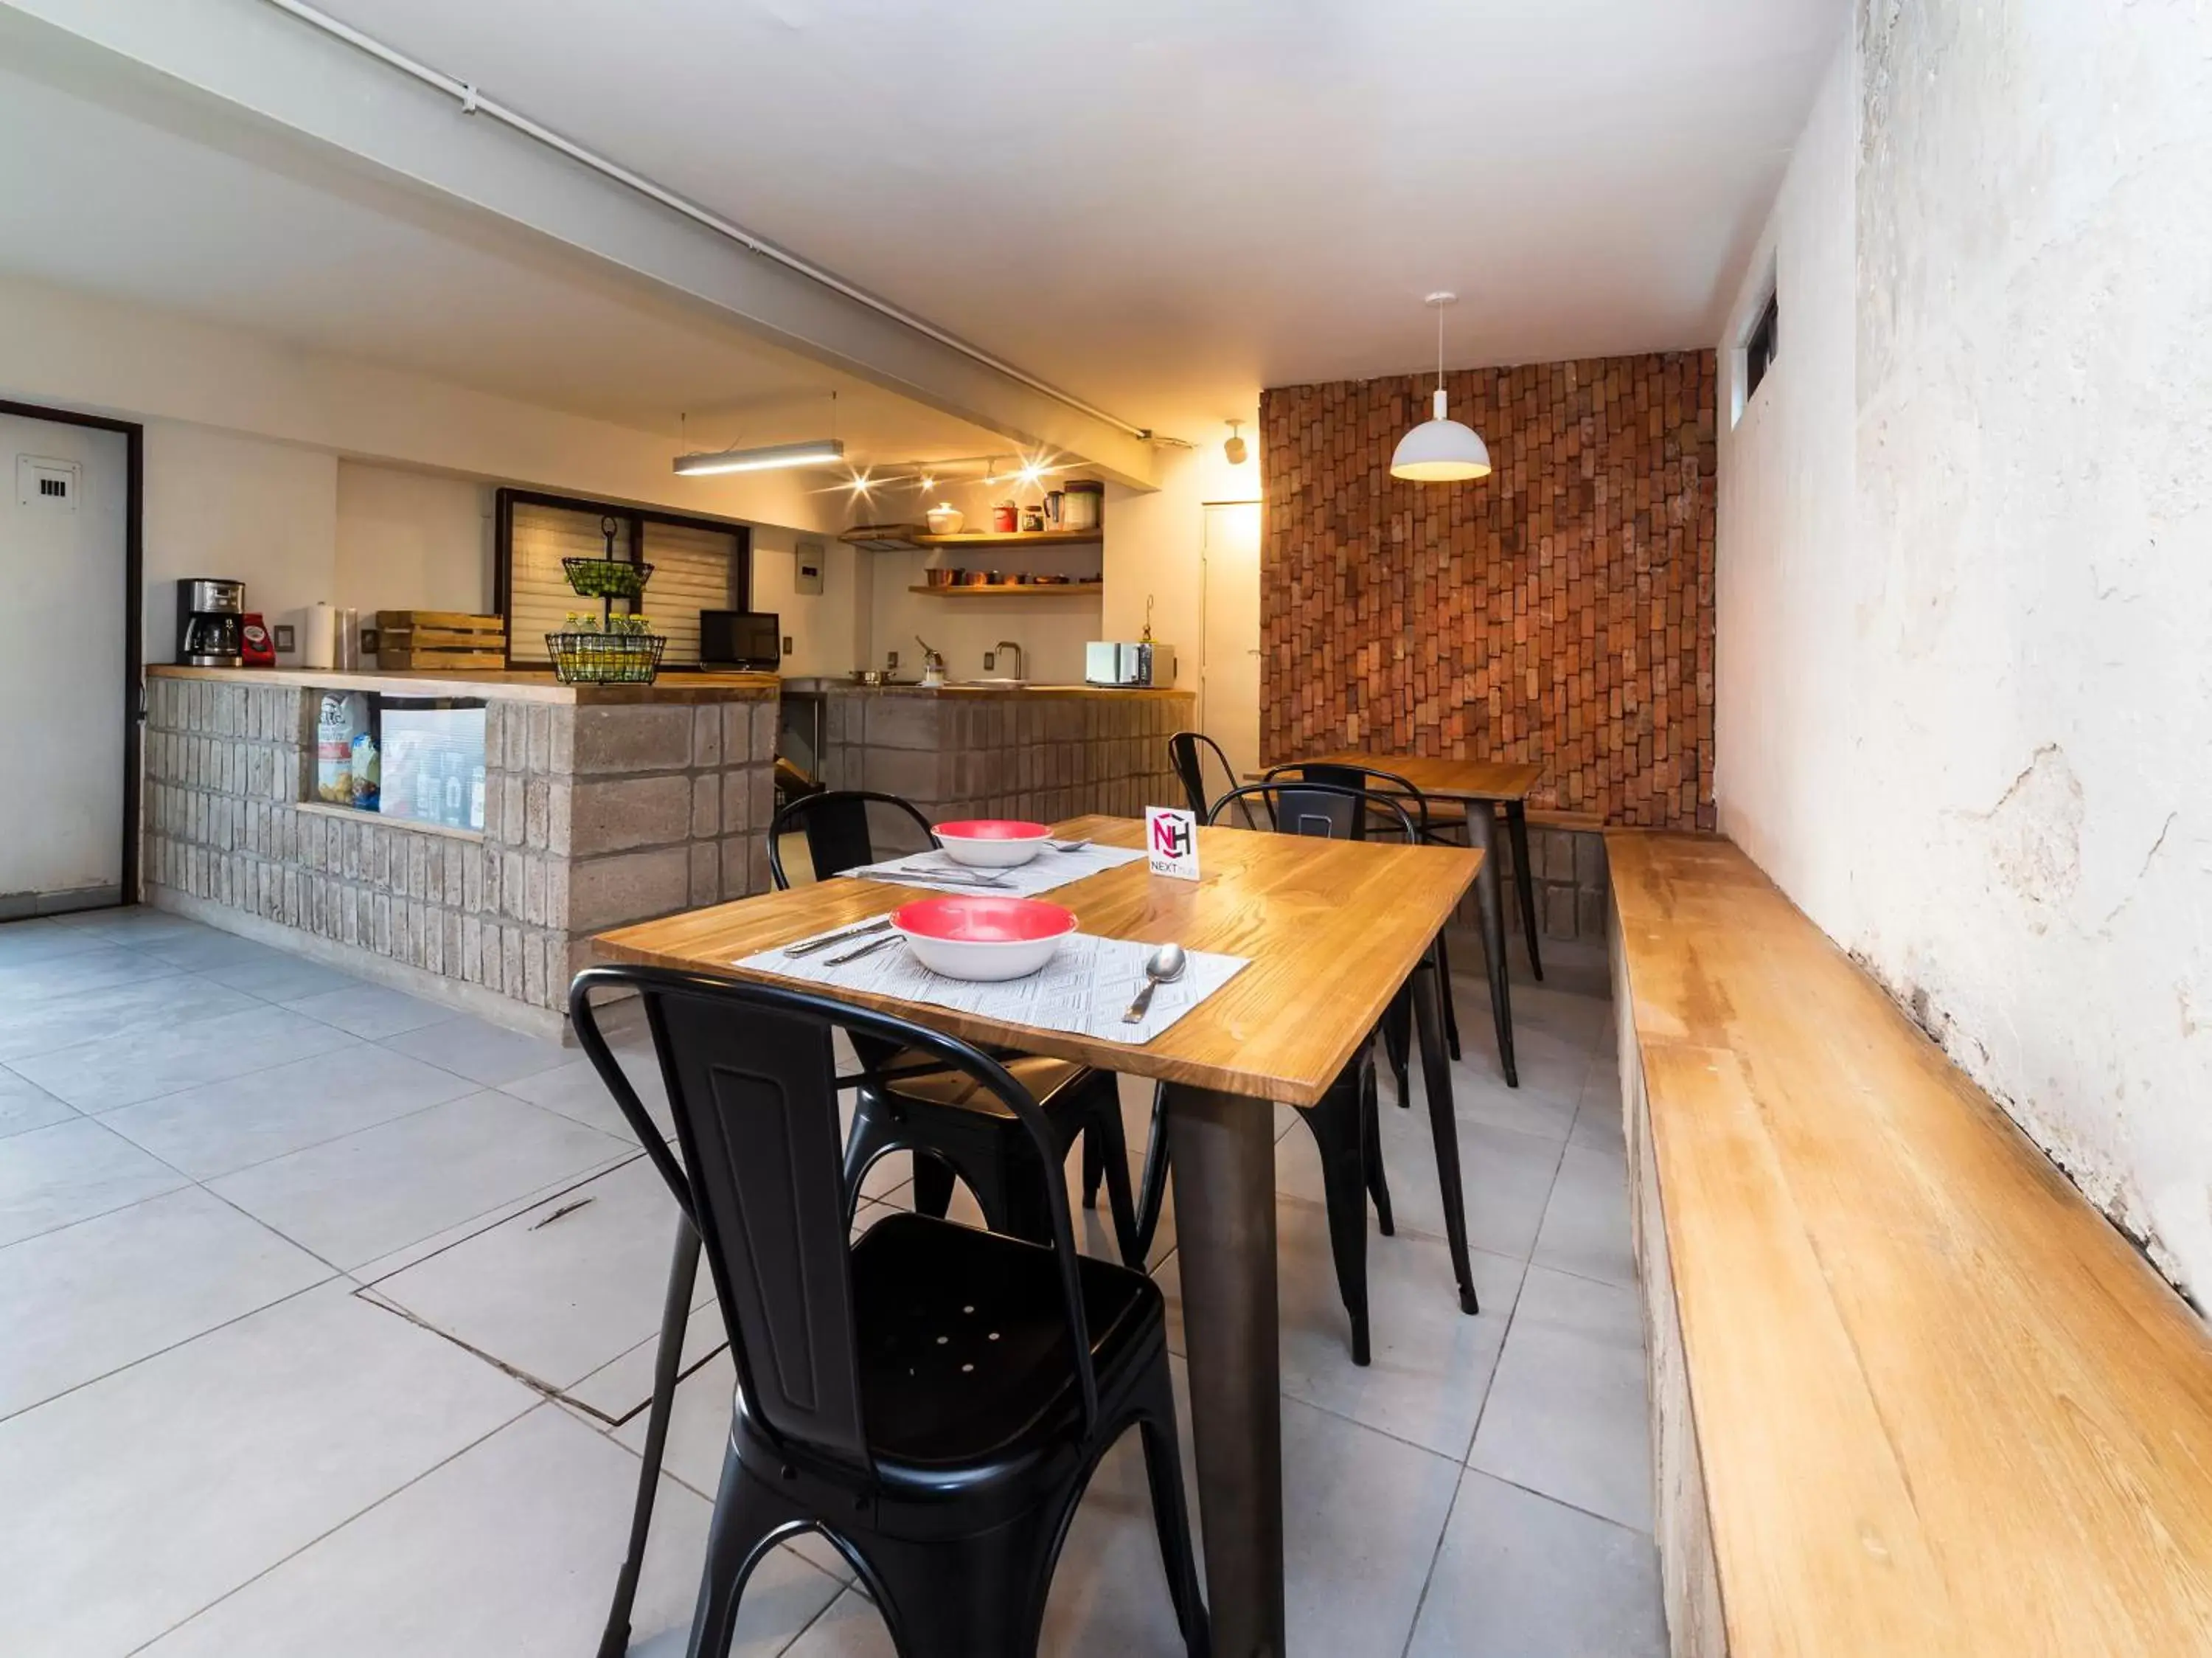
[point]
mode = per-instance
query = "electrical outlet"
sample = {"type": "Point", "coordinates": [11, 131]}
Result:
{"type": "Point", "coordinates": [890, 661]}
{"type": "Point", "coordinates": [786, 645]}
{"type": "Point", "coordinates": [285, 638]}
{"type": "Point", "coordinates": [368, 642]}
{"type": "Point", "coordinates": [990, 661]}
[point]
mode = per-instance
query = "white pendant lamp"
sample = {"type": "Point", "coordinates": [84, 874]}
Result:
{"type": "Point", "coordinates": [1439, 450]}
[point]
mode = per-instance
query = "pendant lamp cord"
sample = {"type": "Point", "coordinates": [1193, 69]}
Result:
{"type": "Point", "coordinates": [1440, 348]}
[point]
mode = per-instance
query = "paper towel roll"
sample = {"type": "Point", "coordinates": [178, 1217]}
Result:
{"type": "Point", "coordinates": [318, 636]}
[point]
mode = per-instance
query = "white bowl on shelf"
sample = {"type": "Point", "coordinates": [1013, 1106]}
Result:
{"type": "Point", "coordinates": [944, 519]}
{"type": "Point", "coordinates": [982, 938]}
{"type": "Point", "coordinates": [992, 843]}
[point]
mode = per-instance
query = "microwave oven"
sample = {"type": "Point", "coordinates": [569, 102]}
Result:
{"type": "Point", "coordinates": [751, 640]}
{"type": "Point", "coordinates": [1136, 666]}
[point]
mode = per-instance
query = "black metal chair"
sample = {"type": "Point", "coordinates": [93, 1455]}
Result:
{"type": "Point", "coordinates": [1343, 1122]}
{"type": "Point", "coordinates": [952, 1128]}
{"type": "Point", "coordinates": [1187, 755]}
{"type": "Point", "coordinates": [1432, 824]}
{"type": "Point", "coordinates": [931, 1400]}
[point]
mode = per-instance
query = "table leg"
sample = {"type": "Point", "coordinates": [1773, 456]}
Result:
{"type": "Point", "coordinates": [1516, 825]}
{"type": "Point", "coordinates": [1223, 1160]}
{"type": "Point", "coordinates": [1490, 909]}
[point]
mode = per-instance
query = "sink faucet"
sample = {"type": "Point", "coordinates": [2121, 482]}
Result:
{"type": "Point", "coordinates": [1008, 645]}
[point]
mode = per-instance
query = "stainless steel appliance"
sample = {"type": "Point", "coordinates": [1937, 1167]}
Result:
{"type": "Point", "coordinates": [1135, 667]}
{"type": "Point", "coordinates": [211, 622]}
{"type": "Point", "coordinates": [749, 640]}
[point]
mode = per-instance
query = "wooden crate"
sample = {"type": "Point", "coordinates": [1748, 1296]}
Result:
{"type": "Point", "coordinates": [451, 641]}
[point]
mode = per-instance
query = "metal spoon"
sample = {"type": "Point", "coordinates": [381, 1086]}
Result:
{"type": "Point", "coordinates": [1068, 846]}
{"type": "Point", "coordinates": [1163, 966]}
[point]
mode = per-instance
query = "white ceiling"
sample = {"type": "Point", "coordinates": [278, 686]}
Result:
{"type": "Point", "coordinates": [94, 198]}
{"type": "Point", "coordinates": [1165, 205]}
{"type": "Point", "coordinates": [1162, 205]}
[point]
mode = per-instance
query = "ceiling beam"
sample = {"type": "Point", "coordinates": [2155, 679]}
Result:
{"type": "Point", "coordinates": [247, 75]}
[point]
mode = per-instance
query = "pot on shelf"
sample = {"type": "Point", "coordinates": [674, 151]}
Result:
{"type": "Point", "coordinates": [945, 519]}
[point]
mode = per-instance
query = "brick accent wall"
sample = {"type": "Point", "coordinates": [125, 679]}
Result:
{"type": "Point", "coordinates": [1560, 610]}
{"type": "Point", "coordinates": [594, 816]}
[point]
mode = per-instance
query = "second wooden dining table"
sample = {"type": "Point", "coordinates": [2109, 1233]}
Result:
{"type": "Point", "coordinates": [1331, 929]}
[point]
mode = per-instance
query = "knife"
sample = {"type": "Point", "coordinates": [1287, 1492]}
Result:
{"type": "Point", "coordinates": [822, 943]}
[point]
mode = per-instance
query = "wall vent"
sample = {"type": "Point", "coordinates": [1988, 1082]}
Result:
{"type": "Point", "coordinates": [51, 484]}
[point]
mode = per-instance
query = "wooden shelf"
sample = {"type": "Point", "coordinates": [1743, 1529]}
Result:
{"type": "Point", "coordinates": [1010, 589]}
{"type": "Point", "coordinates": [887, 538]}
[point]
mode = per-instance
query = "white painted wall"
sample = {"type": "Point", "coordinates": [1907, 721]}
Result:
{"type": "Point", "coordinates": [61, 670]}
{"type": "Point", "coordinates": [1989, 783]}
{"type": "Point", "coordinates": [411, 541]}
{"type": "Point", "coordinates": [220, 504]}
{"type": "Point", "coordinates": [828, 630]}
{"type": "Point", "coordinates": [1155, 543]}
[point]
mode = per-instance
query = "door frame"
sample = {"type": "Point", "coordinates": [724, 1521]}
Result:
{"type": "Point", "coordinates": [134, 610]}
{"type": "Point", "coordinates": [1204, 585]}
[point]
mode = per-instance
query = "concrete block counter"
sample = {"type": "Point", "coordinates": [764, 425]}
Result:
{"type": "Point", "coordinates": [603, 805]}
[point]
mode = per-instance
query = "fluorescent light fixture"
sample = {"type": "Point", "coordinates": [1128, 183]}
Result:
{"type": "Point", "coordinates": [822, 452]}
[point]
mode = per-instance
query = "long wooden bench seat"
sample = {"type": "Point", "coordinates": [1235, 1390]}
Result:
{"type": "Point", "coordinates": [1911, 1394]}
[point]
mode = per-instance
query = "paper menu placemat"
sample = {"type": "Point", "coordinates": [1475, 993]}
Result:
{"type": "Point", "coordinates": [1085, 988]}
{"type": "Point", "coordinates": [1047, 870]}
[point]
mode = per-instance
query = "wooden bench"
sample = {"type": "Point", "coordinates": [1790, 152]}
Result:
{"type": "Point", "coordinates": [1911, 1393]}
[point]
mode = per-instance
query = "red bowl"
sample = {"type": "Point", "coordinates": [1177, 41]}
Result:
{"type": "Point", "coordinates": [982, 938]}
{"type": "Point", "coordinates": [992, 843]}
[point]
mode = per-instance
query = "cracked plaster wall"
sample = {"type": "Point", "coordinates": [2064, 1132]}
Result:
{"type": "Point", "coordinates": [1965, 597]}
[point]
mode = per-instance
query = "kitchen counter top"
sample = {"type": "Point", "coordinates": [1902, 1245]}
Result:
{"type": "Point", "coordinates": [511, 685]}
{"type": "Point", "coordinates": [825, 687]}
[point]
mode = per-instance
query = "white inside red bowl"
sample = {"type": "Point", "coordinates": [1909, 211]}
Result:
{"type": "Point", "coordinates": [992, 843]}
{"type": "Point", "coordinates": [982, 937]}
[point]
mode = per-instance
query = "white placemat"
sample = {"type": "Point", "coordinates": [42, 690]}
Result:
{"type": "Point", "coordinates": [1086, 988]}
{"type": "Point", "coordinates": [1047, 870]}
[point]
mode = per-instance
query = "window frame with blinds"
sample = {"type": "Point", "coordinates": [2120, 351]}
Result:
{"type": "Point", "coordinates": [691, 575]}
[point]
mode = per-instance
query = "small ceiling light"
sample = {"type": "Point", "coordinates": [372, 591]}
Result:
{"type": "Point", "coordinates": [1235, 448]}
{"type": "Point", "coordinates": [1439, 450]}
{"type": "Point", "coordinates": [1031, 470]}
{"type": "Point", "coordinates": [822, 452]}
{"type": "Point", "coordinates": [925, 484]}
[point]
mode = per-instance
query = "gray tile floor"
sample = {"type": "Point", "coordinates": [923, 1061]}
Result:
{"type": "Point", "coordinates": [328, 1323]}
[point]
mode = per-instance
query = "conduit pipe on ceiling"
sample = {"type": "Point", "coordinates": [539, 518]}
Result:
{"type": "Point", "coordinates": [473, 103]}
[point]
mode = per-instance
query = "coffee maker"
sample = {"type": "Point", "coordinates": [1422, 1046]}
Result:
{"type": "Point", "coordinates": [210, 622]}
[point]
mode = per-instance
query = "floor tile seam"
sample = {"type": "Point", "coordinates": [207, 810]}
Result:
{"type": "Point", "coordinates": [1562, 1503]}
{"type": "Point", "coordinates": [561, 1187]}
{"type": "Point", "coordinates": [1429, 1577]}
{"type": "Point", "coordinates": [334, 1529]}
{"type": "Point", "coordinates": [182, 1341]}
{"type": "Point", "coordinates": [631, 1415]}
{"type": "Point", "coordinates": [290, 1151]}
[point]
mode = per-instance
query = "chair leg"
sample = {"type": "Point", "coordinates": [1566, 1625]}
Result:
{"type": "Point", "coordinates": [932, 1184]}
{"type": "Point", "coordinates": [1153, 1186]}
{"type": "Point", "coordinates": [1524, 878]}
{"type": "Point", "coordinates": [1094, 1170]}
{"type": "Point", "coordinates": [1102, 1138]}
{"type": "Point", "coordinates": [1451, 1018]}
{"type": "Point", "coordinates": [1378, 1188]}
{"type": "Point", "coordinates": [1171, 1513]}
{"type": "Point", "coordinates": [1444, 1128]}
{"type": "Point", "coordinates": [675, 1319]}
{"type": "Point", "coordinates": [1397, 1045]}
{"type": "Point", "coordinates": [1339, 1123]}
{"type": "Point", "coordinates": [747, 1513]}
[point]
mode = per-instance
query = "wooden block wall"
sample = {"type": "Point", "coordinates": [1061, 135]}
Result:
{"type": "Point", "coordinates": [1560, 610]}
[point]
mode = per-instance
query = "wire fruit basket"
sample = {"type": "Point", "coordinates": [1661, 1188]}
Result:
{"type": "Point", "coordinates": [584, 658]}
{"type": "Point", "coordinates": [610, 649]}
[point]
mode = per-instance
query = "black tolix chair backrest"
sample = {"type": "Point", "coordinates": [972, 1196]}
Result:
{"type": "Point", "coordinates": [1321, 809]}
{"type": "Point", "coordinates": [1413, 806]}
{"type": "Point", "coordinates": [752, 1083]}
{"type": "Point", "coordinates": [838, 834]}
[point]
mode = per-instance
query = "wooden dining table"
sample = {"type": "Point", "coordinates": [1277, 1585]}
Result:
{"type": "Point", "coordinates": [1480, 787]}
{"type": "Point", "coordinates": [1331, 929]}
